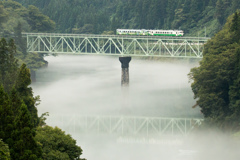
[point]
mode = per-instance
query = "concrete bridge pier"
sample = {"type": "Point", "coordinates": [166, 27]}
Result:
{"type": "Point", "coordinates": [126, 109]}
{"type": "Point", "coordinates": [125, 70]}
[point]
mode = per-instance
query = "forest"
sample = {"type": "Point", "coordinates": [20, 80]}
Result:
{"type": "Point", "coordinates": [23, 133]}
{"type": "Point", "coordinates": [215, 83]}
{"type": "Point", "coordinates": [196, 18]}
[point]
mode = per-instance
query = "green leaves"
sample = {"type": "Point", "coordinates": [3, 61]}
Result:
{"type": "Point", "coordinates": [38, 21]}
{"type": "Point", "coordinates": [57, 145]}
{"type": "Point", "coordinates": [216, 81]}
{"type": "Point", "coordinates": [25, 146]}
{"type": "Point", "coordinates": [18, 114]}
{"type": "Point", "coordinates": [4, 151]}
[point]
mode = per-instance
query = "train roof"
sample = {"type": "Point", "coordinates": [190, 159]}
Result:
{"type": "Point", "coordinates": [148, 30]}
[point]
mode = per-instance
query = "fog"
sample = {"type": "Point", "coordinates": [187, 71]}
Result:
{"type": "Point", "coordinates": [91, 85]}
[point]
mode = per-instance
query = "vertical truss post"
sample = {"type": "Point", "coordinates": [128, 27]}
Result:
{"type": "Point", "coordinates": [74, 44]}
{"type": "Point", "coordinates": [122, 46]}
{"type": "Point", "coordinates": [98, 46]}
{"type": "Point", "coordinates": [27, 43]}
{"type": "Point", "coordinates": [198, 48]}
{"type": "Point", "coordinates": [39, 44]}
{"type": "Point", "coordinates": [86, 44]}
{"type": "Point", "coordinates": [160, 48]}
{"type": "Point", "coordinates": [134, 52]}
{"type": "Point", "coordinates": [50, 44]}
{"type": "Point", "coordinates": [185, 49]}
{"type": "Point", "coordinates": [62, 43]}
{"type": "Point", "coordinates": [147, 47]}
{"type": "Point", "coordinates": [110, 46]}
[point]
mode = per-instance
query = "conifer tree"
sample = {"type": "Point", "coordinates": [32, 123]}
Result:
{"type": "Point", "coordinates": [25, 92]}
{"type": "Point", "coordinates": [19, 39]}
{"type": "Point", "coordinates": [3, 15]}
{"type": "Point", "coordinates": [6, 117]}
{"type": "Point", "coordinates": [220, 11]}
{"type": "Point", "coordinates": [8, 64]}
{"type": "Point", "coordinates": [3, 59]}
{"type": "Point", "coordinates": [234, 93]}
{"type": "Point", "coordinates": [235, 27]}
{"type": "Point", "coordinates": [25, 146]}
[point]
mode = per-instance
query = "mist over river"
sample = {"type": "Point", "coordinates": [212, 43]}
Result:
{"type": "Point", "coordinates": [91, 85]}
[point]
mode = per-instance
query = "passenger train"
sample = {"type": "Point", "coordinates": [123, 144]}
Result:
{"type": "Point", "coordinates": [145, 32]}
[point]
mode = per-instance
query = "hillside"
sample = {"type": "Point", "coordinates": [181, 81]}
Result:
{"type": "Point", "coordinates": [83, 16]}
{"type": "Point", "coordinates": [15, 18]}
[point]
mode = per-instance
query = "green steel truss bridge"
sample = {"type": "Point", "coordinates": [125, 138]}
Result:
{"type": "Point", "coordinates": [53, 43]}
{"type": "Point", "coordinates": [125, 126]}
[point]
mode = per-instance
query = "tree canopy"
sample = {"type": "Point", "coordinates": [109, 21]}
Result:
{"type": "Point", "coordinates": [19, 121]}
{"type": "Point", "coordinates": [216, 81]}
{"type": "Point", "coordinates": [57, 145]}
{"type": "Point", "coordinates": [192, 16]}
{"type": "Point", "coordinates": [4, 151]}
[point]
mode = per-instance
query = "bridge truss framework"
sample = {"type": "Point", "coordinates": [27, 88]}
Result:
{"type": "Point", "coordinates": [125, 126]}
{"type": "Point", "coordinates": [115, 45]}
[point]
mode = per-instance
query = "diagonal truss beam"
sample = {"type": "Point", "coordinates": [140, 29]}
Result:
{"type": "Point", "coordinates": [126, 126]}
{"type": "Point", "coordinates": [191, 47]}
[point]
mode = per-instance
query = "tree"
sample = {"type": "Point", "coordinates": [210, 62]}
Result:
{"type": "Point", "coordinates": [22, 86]}
{"type": "Point", "coordinates": [235, 27]}
{"type": "Point", "coordinates": [25, 146]}
{"type": "Point", "coordinates": [16, 128]}
{"type": "Point", "coordinates": [6, 117]}
{"type": "Point", "coordinates": [3, 15]}
{"type": "Point", "coordinates": [8, 64]}
{"type": "Point", "coordinates": [235, 5]}
{"type": "Point", "coordinates": [57, 145]}
{"type": "Point", "coordinates": [234, 92]}
{"type": "Point", "coordinates": [19, 39]}
{"type": "Point", "coordinates": [4, 151]}
{"type": "Point", "coordinates": [86, 29]}
{"type": "Point", "coordinates": [216, 81]}
{"type": "Point", "coordinates": [220, 11]}
{"type": "Point", "coordinates": [38, 21]}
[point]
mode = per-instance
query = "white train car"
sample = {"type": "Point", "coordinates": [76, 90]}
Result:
{"type": "Point", "coordinates": [144, 32]}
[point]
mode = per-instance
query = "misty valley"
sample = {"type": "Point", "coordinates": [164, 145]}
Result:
{"type": "Point", "coordinates": [74, 85]}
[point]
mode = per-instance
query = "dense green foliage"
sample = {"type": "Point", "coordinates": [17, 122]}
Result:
{"type": "Point", "coordinates": [18, 114]}
{"type": "Point", "coordinates": [31, 19]}
{"type": "Point", "coordinates": [216, 81]}
{"type": "Point", "coordinates": [97, 16]}
{"type": "Point", "coordinates": [57, 145]}
{"type": "Point", "coordinates": [16, 18]}
{"type": "Point", "coordinates": [12, 76]}
{"type": "Point", "coordinates": [19, 119]}
{"type": "Point", "coordinates": [4, 151]}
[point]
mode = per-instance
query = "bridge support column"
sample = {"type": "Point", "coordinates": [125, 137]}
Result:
{"type": "Point", "coordinates": [126, 109]}
{"type": "Point", "coordinates": [125, 71]}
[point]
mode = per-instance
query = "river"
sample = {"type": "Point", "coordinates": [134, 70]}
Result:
{"type": "Point", "coordinates": [91, 85]}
